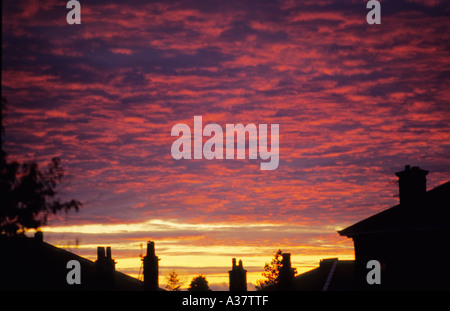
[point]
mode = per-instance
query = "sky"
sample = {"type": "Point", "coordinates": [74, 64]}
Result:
{"type": "Point", "coordinates": [354, 102]}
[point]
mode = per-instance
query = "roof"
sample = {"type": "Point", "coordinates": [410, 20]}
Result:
{"type": "Point", "coordinates": [331, 275]}
{"type": "Point", "coordinates": [32, 264]}
{"type": "Point", "coordinates": [430, 213]}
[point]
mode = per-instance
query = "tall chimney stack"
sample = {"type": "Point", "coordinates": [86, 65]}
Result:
{"type": "Point", "coordinates": [412, 185]}
{"type": "Point", "coordinates": [151, 268]}
{"type": "Point", "coordinates": [238, 277]}
{"type": "Point", "coordinates": [105, 268]}
{"type": "Point", "coordinates": [286, 273]}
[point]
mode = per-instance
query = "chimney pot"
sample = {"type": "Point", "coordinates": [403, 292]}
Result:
{"type": "Point", "coordinates": [286, 259]}
{"type": "Point", "coordinates": [151, 268]}
{"type": "Point", "coordinates": [238, 277]}
{"type": "Point", "coordinates": [150, 248]}
{"type": "Point", "coordinates": [100, 253]}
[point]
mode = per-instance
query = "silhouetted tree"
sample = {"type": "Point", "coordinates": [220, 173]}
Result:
{"type": "Point", "coordinates": [27, 193]}
{"type": "Point", "coordinates": [173, 282]}
{"type": "Point", "coordinates": [199, 283]}
{"type": "Point", "coordinates": [271, 272]}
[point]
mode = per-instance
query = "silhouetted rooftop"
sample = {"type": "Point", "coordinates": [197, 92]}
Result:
{"type": "Point", "coordinates": [32, 264]}
{"type": "Point", "coordinates": [431, 212]}
{"type": "Point", "coordinates": [331, 275]}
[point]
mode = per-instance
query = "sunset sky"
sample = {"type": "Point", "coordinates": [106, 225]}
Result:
{"type": "Point", "coordinates": [354, 102]}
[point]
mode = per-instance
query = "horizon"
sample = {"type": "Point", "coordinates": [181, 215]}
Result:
{"type": "Point", "coordinates": [217, 273]}
{"type": "Point", "coordinates": [354, 102]}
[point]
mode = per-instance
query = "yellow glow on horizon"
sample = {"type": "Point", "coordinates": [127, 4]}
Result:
{"type": "Point", "coordinates": [202, 253]}
{"type": "Point", "coordinates": [155, 225]}
{"type": "Point", "coordinates": [163, 226]}
{"type": "Point", "coordinates": [216, 267]}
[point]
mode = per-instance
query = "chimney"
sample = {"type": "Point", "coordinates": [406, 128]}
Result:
{"type": "Point", "coordinates": [105, 268]}
{"type": "Point", "coordinates": [286, 273]}
{"type": "Point", "coordinates": [104, 260]}
{"type": "Point", "coordinates": [238, 277]}
{"type": "Point", "coordinates": [412, 185]}
{"type": "Point", "coordinates": [108, 253]}
{"type": "Point", "coordinates": [151, 268]}
{"type": "Point", "coordinates": [286, 261]}
{"type": "Point", "coordinates": [39, 236]}
{"type": "Point", "coordinates": [100, 254]}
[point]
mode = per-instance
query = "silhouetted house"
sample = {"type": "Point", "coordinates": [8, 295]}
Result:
{"type": "Point", "coordinates": [28, 263]}
{"type": "Point", "coordinates": [151, 268]}
{"type": "Point", "coordinates": [238, 277]}
{"type": "Point", "coordinates": [331, 275]}
{"type": "Point", "coordinates": [410, 240]}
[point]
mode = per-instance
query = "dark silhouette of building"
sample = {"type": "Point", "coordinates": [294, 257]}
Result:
{"type": "Point", "coordinates": [331, 275]}
{"type": "Point", "coordinates": [238, 277]}
{"type": "Point", "coordinates": [151, 268]}
{"type": "Point", "coordinates": [409, 240]}
{"type": "Point", "coordinates": [29, 263]}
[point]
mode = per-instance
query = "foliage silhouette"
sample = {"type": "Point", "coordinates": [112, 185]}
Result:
{"type": "Point", "coordinates": [173, 282]}
{"type": "Point", "coordinates": [27, 193]}
{"type": "Point", "coordinates": [199, 283]}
